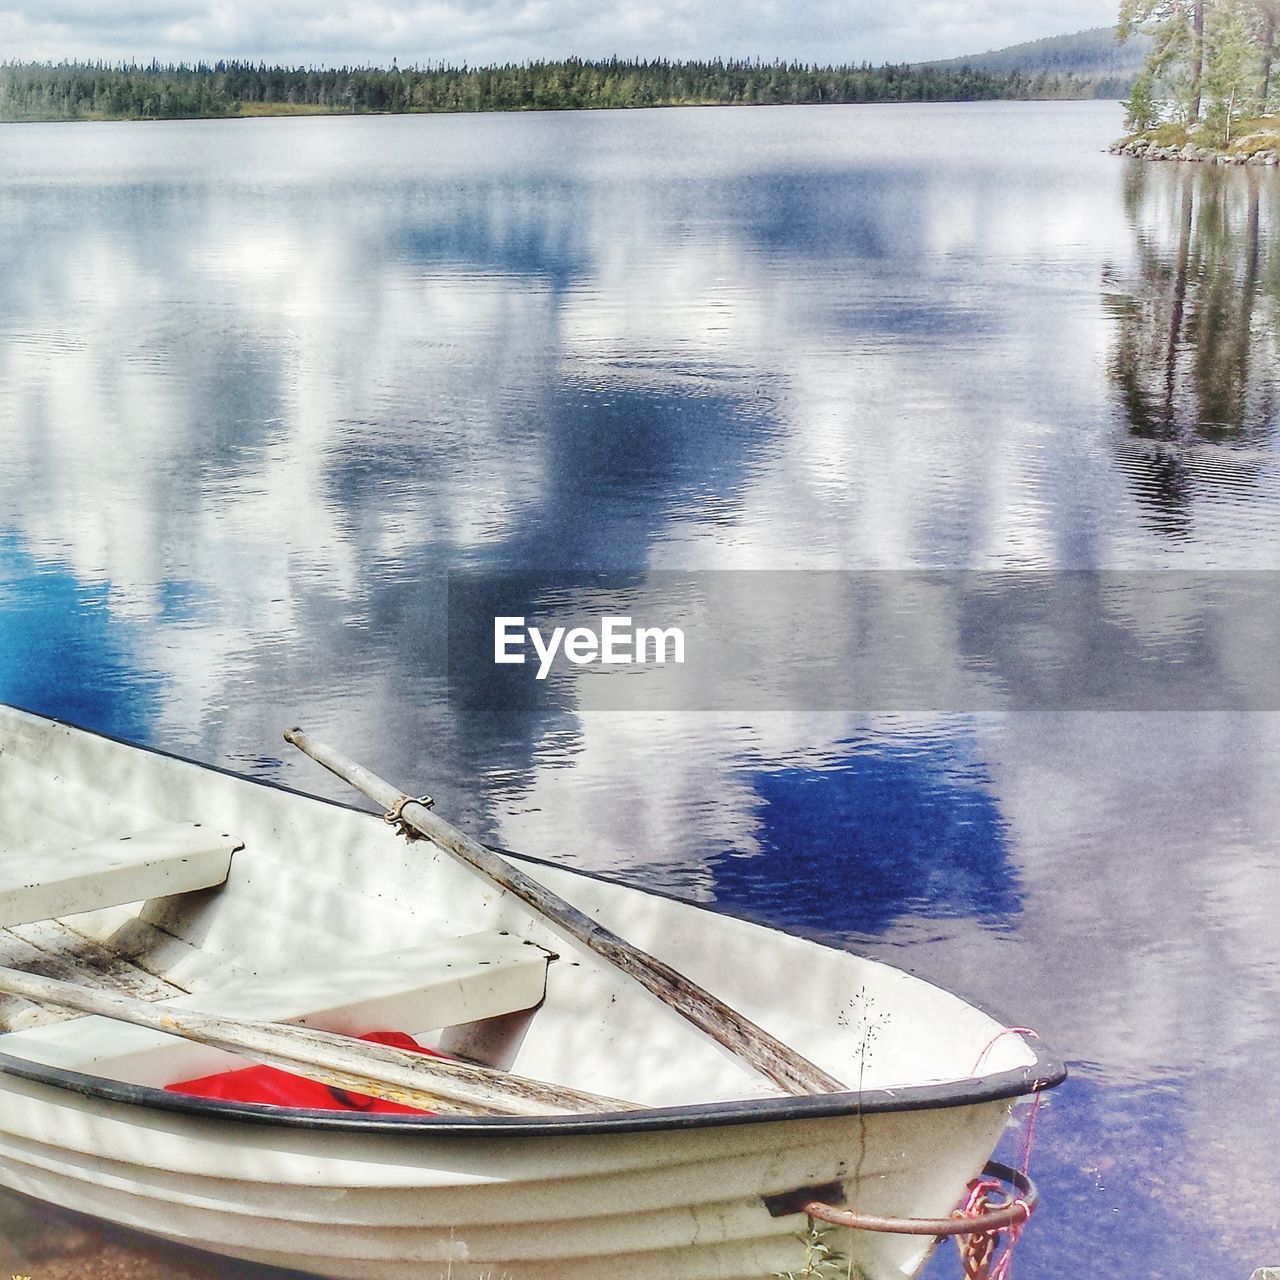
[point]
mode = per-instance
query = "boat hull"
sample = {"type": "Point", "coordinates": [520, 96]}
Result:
{"type": "Point", "coordinates": [668, 1205]}
{"type": "Point", "coordinates": [673, 1191]}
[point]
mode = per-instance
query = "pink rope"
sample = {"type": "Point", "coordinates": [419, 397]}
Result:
{"type": "Point", "coordinates": [1000, 1035]}
{"type": "Point", "coordinates": [979, 1188]}
{"type": "Point", "coordinates": [1029, 1133]}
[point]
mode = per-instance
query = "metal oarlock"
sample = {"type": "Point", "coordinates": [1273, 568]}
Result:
{"type": "Point", "coordinates": [394, 816]}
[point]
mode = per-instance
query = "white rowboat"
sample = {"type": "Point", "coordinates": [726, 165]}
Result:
{"type": "Point", "coordinates": [128, 871]}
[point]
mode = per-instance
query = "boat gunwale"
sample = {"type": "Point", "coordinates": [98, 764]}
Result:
{"type": "Point", "coordinates": [1044, 1072]}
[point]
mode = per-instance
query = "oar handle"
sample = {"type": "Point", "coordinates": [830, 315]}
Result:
{"type": "Point", "coordinates": [767, 1054]}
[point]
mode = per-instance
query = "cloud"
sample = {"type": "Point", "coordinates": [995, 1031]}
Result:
{"type": "Point", "coordinates": [332, 31]}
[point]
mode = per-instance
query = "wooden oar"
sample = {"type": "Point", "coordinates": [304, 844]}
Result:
{"type": "Point", "coordinates": [767, 1054]}
{"type": "Point", "coordinates": [380, 1071]}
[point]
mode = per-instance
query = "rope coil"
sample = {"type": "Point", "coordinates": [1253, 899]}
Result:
{"type": "Point", "coordinates": [978, 1251]}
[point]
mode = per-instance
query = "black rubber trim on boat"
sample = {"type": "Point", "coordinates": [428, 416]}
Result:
{"type": "Point", "coordinates": [1044, 1073]}
{"type": "Point", "coordinates": [959, 1093]}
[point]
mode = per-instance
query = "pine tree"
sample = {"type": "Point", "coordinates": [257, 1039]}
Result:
{"type": "Point", "coordinates": [1231, 79]}
{"type": "Point", "coordinates": [1266, 23]}
{"type": "Point", "coordinates": [1140, 109]}
{"type": "Point", "coordinates": [1177, 52]}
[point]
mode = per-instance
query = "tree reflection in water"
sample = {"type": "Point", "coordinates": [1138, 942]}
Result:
{"type": "Point", "coordinates": [1194, 359]}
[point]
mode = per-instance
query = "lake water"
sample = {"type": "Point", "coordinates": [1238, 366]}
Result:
{"type": "Point", "coordinates": [264, 383]}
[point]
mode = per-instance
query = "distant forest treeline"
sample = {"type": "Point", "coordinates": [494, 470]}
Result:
{"type": "Point", "coordinates": [75, 91]}
{"type": "Point", "coordinates": [1096, 53]}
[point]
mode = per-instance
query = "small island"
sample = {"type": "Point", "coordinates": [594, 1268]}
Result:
{"type": "Point", "coordinates": [1206, 90]}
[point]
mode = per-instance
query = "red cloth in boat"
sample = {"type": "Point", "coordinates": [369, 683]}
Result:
{"type": "Point", "coordinates": [281, 1089]}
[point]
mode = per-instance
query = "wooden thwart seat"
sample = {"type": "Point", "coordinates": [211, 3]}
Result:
{"type": "Point", "coordinates": [177, 858]}
{"type": "Point", "coordinates": [419, 989]}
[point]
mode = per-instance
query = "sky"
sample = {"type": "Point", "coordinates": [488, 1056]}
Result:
{"type": "Point", "coordinates": [334, 32]}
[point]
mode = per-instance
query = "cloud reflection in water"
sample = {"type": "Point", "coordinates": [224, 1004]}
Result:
{"type": "Point", "coordinates": [265, 383]}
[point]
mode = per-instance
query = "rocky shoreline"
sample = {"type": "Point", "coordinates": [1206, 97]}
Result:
{"type": "Point", "coordinates": [1256, 150]}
